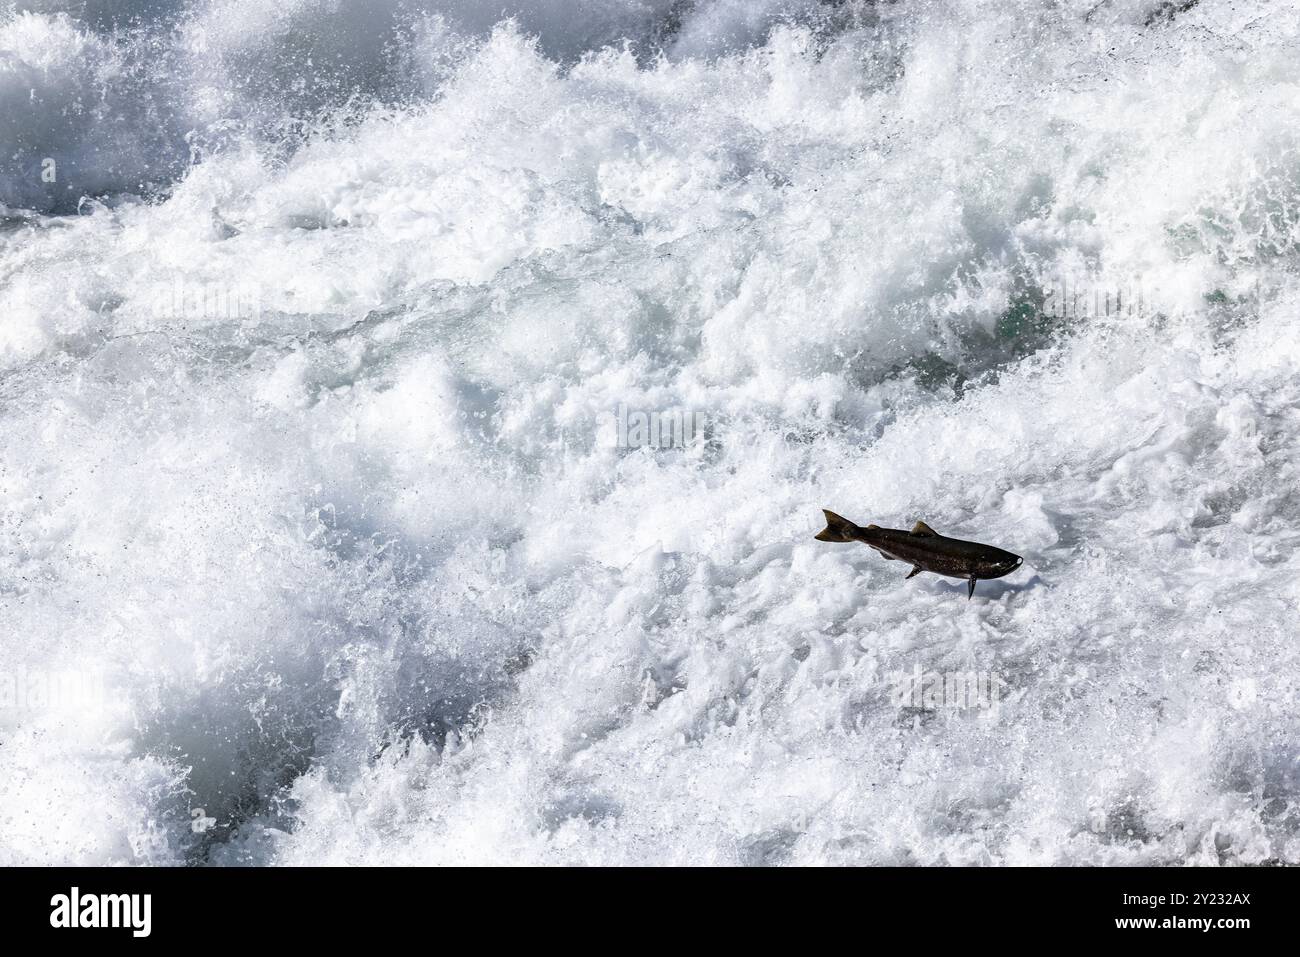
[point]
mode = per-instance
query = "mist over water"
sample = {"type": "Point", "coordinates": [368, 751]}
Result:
{"type": "Point", "coordinates": [321, 543]}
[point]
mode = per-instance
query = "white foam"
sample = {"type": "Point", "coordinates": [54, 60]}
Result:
{"type": "Point", "coordinates": [368, 583]}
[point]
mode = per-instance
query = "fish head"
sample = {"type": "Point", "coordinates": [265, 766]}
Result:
{"type": "Point", "coordinates": [1007, 565]}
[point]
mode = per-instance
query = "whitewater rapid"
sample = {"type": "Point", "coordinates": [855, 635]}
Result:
{"type": "Point", "coordinates": [323, 538]}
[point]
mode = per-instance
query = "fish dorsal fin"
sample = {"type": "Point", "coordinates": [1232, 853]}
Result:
{"type": "Point", "coordinates": [873, 526]}
{"type": "Point", "coordinates": [920, 528]}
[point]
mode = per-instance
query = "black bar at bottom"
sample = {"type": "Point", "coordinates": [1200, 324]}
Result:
{"type": "Point", "coordinates": [300, 906]}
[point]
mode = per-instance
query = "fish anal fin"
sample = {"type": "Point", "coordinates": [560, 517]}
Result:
{"type": "Point", "coordinates": [920, 528]}
{"type": "Point", "coordinates": [916, 570]}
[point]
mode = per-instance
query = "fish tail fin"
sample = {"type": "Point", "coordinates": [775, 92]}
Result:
{"type": "Point", "coordinates": [837, 529]}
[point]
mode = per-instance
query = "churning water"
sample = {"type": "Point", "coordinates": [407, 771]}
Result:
{"type": "Point", "coordinates": [327, 329]}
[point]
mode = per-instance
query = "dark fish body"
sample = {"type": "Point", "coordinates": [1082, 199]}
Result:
{"type": "Point", "coordinates": [925, 550]}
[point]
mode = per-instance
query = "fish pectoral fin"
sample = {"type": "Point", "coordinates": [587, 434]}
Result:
{"type": "Point", "coordinates": [916, 570]}
{"type": "Point", "coordinates": [920, 528]}
{"type": "Point", "coordinates": [970, 592]}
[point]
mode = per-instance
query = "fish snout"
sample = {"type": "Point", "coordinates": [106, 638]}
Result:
{"type": "Point", "coordinates": [1010, 565]}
